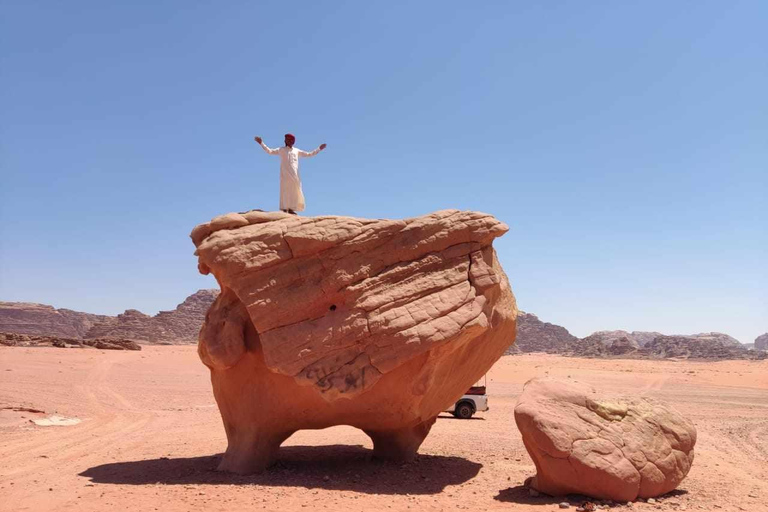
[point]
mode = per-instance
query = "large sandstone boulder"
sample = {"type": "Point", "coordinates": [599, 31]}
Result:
{"type": "Point", "coordinates": [322, 321]}
{"type": "Point", "coordinates": [618, 448]}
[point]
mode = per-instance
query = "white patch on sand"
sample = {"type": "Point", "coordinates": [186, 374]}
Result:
{"type": "Point", "coordinates": [56, 421]}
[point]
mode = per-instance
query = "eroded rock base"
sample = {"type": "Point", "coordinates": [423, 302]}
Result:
{"type": "Point", "coordinates": [253, 451]}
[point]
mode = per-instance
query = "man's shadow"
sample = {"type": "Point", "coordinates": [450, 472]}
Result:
{"type": "Point", "coordinates": [337, 467]}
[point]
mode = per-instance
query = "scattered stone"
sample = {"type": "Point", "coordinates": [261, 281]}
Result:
{"type": "Point", "coordinates": [651, 501]}
{"type": "Point", "coordinates": [564, 504]}
{"type": "Point", "coordinates": [31, 340]}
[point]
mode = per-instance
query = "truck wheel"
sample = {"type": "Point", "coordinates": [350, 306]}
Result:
{"type": "Point", "coordinates": [464, 411]}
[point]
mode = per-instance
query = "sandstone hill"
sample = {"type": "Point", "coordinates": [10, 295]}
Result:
{"type": "Point", "coordinates": [43, 320]}
{"type": "Point", "coordinates": [537, 336]}
{"type": "Point", "coordinates": [180, 325]}
{"type": "Point", "coordinates": [761, 342]}
{"type": "Point", "coordinates": [642, 338]}
{"type": "Point", "coordinates": [636, 338]}
{"type": "Point", "coordinates": [692, 347]}
{"type": "Point", "coordinates": [533, 335]}
{"type": "Point", "coordinates": [716, 337]}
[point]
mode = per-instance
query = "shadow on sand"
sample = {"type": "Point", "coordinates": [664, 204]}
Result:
{"type": "Point", "coordinates": [521, 494]}
{"type": "Point", "coordinates": [452, 417]}
{"type": "Point", "coordinates": [346, 468]}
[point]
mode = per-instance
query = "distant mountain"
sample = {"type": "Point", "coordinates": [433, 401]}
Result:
{"type": "Point", "coordinates": [697, 347]}
{"type": "Point", "coordinates": [761, 342]}
{"type": "Point", "coordinates": [642, 338]}
{"type": "Point", "coordinates": [180, 325]}
{"type": "Point", "coordinates": [717, 337]}
{"type": "Point", "coordinates": [533, 335]}
{"type": "Point", "coordinates": [43, 320]}
{"type": "Point", "coordinates": [636, 338]}
{"type": "Point", "coordinates": [615, 343]}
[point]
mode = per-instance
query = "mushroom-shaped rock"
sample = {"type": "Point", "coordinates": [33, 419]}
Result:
{"type": "Point", "coordinates": [618, 448]}
{"type": "Point", "coordinates": [322, 321]}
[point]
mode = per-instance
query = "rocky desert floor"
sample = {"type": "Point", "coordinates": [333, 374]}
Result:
{"type": "Point", "coordinates": [151, 435]}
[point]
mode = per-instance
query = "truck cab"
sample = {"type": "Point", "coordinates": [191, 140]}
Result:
{"type": "Point", "coordinates": [472, 401]}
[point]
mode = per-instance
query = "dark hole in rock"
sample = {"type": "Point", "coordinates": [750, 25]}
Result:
{"type": "Point", "coordinates": [333, 307]}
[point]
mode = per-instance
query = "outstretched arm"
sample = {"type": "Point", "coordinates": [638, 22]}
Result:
{"type": "Point", "coordinates": [266, 148]}
{"type": "Point", "coordinates": [307, 154]}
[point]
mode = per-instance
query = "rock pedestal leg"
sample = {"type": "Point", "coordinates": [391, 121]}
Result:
{"type": "Point", "coordinates": [401, 444]}
{"type": "Point", "coordinates": [251, 451]}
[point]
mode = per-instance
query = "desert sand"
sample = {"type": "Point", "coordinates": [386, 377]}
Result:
{"type": "Point", "coordinates": [150, 437]}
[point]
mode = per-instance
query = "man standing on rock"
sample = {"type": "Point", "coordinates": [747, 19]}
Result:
{"type": "Point", "coordinates": [291, 196]}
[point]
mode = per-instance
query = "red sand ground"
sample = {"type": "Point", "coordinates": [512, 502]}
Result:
{"type": "Point", "coordinates": [151, 435]}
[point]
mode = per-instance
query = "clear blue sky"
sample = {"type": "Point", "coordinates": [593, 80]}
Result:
{"type": "Point", "coordinates": [625, 143]}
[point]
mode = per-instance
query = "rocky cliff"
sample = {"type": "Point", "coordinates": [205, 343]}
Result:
{"type": "Point", "coordinates": [636, 338]}
{"type": "Point", "coordinates": [692, 347]}
{"type": "Point", "coordinates": [533, 335]}
{"type": "Point", "coordinates": [716, 337]}
{"type": "Point", "coordinates": [761, 342]}
{"type": "Point", "coordinates": [180, 325]}
{"type": "Point", "coordinates": [44, 320]}
{"type": "Point", "coordinates": [641, 338]}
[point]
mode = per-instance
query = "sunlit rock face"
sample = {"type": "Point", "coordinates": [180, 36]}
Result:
{"type": "Point", "coordinates": [609, 447]}
{"type": "Point", "coordinates": [321, 321]}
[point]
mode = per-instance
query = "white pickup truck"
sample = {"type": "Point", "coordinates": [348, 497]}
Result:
{"type": "Point", "coordinates": [472, 401]}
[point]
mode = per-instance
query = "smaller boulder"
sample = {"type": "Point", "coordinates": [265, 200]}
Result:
{"type": "Point", "coordinates": [618, 448]}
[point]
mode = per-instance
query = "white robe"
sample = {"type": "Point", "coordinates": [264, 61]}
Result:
{"type": "Point", "coordinates": [291, 195]}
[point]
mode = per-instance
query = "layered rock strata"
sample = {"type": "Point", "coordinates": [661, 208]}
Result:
{"type": "Point", "coordinates": [533, 335]}
{"type": "Point", "coordinates": [43, 320]}
{"type": "Point", "coordinates": [180, 325]}
{"type": "Point", "coordinates": [322, 321]}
